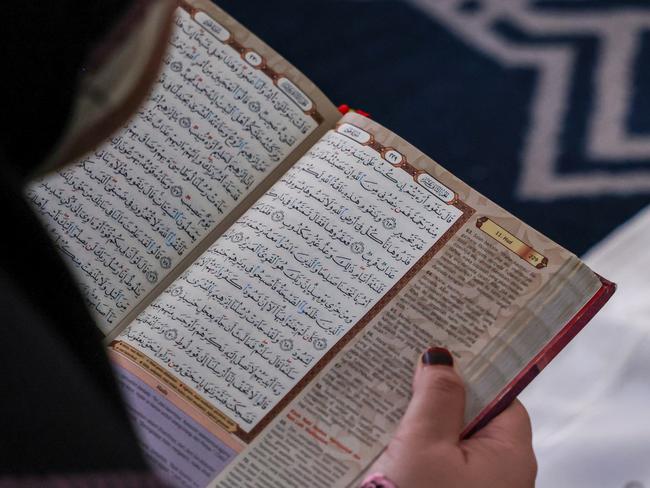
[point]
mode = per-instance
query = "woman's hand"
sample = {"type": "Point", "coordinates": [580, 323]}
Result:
{"type": "Point", "coordinates": [426, 450]}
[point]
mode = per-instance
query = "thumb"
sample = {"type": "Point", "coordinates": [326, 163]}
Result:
{"type": "Point", "coordinates": [437, 406]}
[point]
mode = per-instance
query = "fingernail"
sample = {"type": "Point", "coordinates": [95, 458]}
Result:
{"type": "Point", "coordinates": [437, 356]}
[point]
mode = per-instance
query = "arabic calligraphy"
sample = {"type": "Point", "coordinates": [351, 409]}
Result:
{"type": "Point", "coordinates": [211, 130]}
{"type": "Point", "coordinates": [291, 277]}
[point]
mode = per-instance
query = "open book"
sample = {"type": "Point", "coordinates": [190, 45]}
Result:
{"type": "Point", "coordinates": [267, 272]}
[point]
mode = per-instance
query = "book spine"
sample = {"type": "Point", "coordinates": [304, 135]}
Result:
{"type": "Point", "coordinates": [545, 356]}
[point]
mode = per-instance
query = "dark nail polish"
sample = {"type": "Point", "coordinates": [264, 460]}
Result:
{"type": "Point", "coordinates": [437, 355]}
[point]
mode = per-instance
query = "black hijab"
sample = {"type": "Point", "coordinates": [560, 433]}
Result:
{"type": "Point", "coordinates": [60, 410]}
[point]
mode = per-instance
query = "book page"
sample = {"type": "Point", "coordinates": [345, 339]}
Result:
{"type": "Point", "coordinates": [270, 304]}
{"type": "Point", "coordinates": [226, 117]}
{"type": "Point", "coordinates": [291, 342]}
{"type": "Point", "coordinates": [494, 294]}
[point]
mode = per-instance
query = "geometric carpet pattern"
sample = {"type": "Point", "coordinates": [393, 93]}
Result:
{"type": "Point", "coordinates": [541, 105]}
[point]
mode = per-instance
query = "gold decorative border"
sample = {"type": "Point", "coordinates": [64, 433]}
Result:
{"type": "Point", "coordinates": [188, 393]}
{"type": "Point", "coordinates": [512, 243]}
{"type": "Point", "coordinates": [263, 66]}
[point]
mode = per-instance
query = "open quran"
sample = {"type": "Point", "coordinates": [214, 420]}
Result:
{"type": "Point", "coordinates": [267, 271]}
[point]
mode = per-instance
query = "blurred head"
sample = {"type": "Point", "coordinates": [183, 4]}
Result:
{"type": "Point", "coordinates": [75, 71]}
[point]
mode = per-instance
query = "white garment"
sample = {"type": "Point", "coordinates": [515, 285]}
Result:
{"type": "Point", "coordinates": [590, 406]}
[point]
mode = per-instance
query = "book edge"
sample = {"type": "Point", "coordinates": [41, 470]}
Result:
{"type": "Point", "coordinates": [543, 358]}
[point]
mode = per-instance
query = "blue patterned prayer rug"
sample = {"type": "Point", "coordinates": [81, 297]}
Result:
{"type": "Point", "coordinates": [542, 105]}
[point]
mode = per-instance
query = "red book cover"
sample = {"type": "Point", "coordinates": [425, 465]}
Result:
{"type": "Point", "coordinates": [545, 356]}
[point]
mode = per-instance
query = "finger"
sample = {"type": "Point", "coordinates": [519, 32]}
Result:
{"type": "Point", "coordinates": [511, 426]}
{"type": "Point", "coordinates": [438, 402]}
